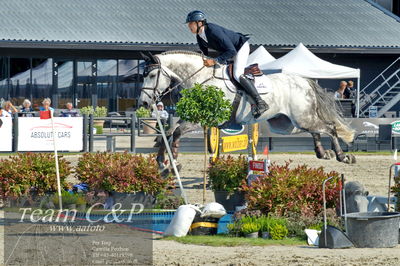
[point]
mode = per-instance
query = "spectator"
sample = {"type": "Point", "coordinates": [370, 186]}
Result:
{"type": "Point", "coordinates": [339, 94]}
{"type": "Point", "coordinates": [161, 112]}
{"type": "Point", "coordinates": [46, 105]}
{"type": "Point", "coordinates": [349, 91]}
{"type": "Point", "coordinates": [26, 109]}
{"type": "Point", "coordinates": [69, 112]}
{"type": "Point", "coordinates": [8, 109]}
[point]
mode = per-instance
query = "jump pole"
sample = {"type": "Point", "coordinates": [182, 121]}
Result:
{"type": "Point", "coordinates": [171, 158]}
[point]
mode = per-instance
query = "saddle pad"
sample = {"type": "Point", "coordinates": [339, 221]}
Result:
{"type": "Point", "coordinates": [262, 83]}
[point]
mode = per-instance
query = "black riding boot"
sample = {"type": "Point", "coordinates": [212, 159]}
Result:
{"type": "Point", "coordinates": [261, 105]}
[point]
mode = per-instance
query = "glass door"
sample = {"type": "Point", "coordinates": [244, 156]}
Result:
{"type": "Point", "coordinates": [85, 89]}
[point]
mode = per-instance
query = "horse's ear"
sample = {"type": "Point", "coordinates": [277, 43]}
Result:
{"type": "Point", "coordinates": [145, 57]}
{"type": "Point", "coordinates": [153, 59]}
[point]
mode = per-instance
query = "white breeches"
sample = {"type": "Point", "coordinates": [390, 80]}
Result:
{"type": "Point", "coordinates": [240, 61]}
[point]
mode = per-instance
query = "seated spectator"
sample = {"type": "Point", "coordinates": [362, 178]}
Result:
{"type": "Point", "coordinates": [26, 110]}
{"type": "Point", "coordinates": [161, 112]}
{"type": "Point", "coordinates": [339, 94]}
{"type": "Point", "coordinates": [349, 91]}
{"type": "Point", "coordinates": [46, 105]}
{"type": "Point", "coordinates": [9, 109]}
{"type": "Point", "coordinates": [69, 112]}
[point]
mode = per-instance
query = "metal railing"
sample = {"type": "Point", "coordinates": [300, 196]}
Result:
{"type": "Point", "coordinates": [132, 125]}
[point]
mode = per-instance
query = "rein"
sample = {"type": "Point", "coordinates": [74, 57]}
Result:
{"type": "Point", "coordinates": [160, 94]}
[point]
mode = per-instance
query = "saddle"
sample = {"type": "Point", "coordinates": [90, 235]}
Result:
{"type": "Point", "coordinates": [250, 71]}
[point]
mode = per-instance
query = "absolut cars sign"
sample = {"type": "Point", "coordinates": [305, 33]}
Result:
{"type": "Point", "coordinates": [35, 134]}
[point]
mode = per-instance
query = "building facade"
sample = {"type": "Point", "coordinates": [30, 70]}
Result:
{"type": "Point", "coordinates": [88, 52]}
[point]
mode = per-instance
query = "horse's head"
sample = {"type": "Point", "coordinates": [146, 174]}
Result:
{"type": "Point", "coordinates": [158, 80]}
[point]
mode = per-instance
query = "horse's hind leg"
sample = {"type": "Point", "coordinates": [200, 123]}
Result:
{"type": "Point", "coordinates": [319, 127]}
{"type": "Point", "coordinates": [340, 155]}
{"type": "Point", "coordinates": [319, 149]}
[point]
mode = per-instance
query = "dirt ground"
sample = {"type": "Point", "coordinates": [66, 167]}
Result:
{"type": "Point", "coordinates": [371, 170]}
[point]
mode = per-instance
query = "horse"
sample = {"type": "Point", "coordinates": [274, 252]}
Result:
{"type": "Point", "coordinates": [296, 104]}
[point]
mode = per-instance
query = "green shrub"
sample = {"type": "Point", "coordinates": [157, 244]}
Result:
{"type": "Point", "coordinates": [121, 172]}
{"type": "Point", "coordinates": [228, 173]}
{"type": "Point", "coordinates": [27, 172]}
{"type": "Point", "coordinates": [396, 189]}
{"type": "Point", "coordinates": [68, 198]}
{"type": "Point", "coordinates": [204, 104]}
{"type": "Point", "coordinates": [168, 200]}
{"type": "Point", "coordinates": [278, 231]}
{"type": "Point", "coordinates": [96, 112]}
{"type": "Point", "coordinates": [296, 190]}
{"type": "Point", "coordinates": [248, 228]}
{"type": "Point", "coordinates": [296, 222]}
{"type": "Point", "coordinates": [269, 222]}
{"type": "Point", "coordinates": [143, 112]}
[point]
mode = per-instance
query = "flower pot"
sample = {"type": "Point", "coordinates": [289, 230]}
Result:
{"type": "Point", "coordinates": [127, 199]}
{"type": "Point", "coordinates": [265, 235]}
{"type": "Point", "coordinates": [82, 207]}
{"type": "Point", "coordinates": [71, 206]}
{"type": "Point", "coordinates": [99, 125]}
{"type": "Point", "coordinates": [252, 235]}
{"type": "Point", "coordinates": [229, 200]}
{"type": "Point", "coordinates": [147, 129]}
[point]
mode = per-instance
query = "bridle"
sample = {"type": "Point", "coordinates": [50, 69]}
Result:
{"type": "Point", "coordinates": [158, 94]}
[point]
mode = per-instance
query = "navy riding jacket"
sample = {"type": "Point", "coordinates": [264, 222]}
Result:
{"type": "Point", "coordinates": [224, 41]}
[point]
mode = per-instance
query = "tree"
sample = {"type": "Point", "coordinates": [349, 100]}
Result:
{"type": "Point", "coordinates": [207, 106]}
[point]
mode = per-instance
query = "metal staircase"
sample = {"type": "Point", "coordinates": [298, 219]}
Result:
{"type": "Point", "coordinates": [383, 91]}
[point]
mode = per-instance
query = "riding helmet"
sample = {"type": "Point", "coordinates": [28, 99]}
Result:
{"type": "Point", "coordinates": [196, 16]}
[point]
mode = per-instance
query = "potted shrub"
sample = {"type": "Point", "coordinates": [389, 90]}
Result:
{"type": "Point", "coordinates": [250, 230]}
{"type": "Point", "coordinates": [264, 227]}
{"type": "Point", "coordinates": [146, 113]}
{"type": "Point", "coordinates": [128, 178]}
{"type": "Point", "coordinates": [96, 112]}
{"type": "Point", "coordinates": [194, 106]}
{"type": "Point", "coordinates": [292, 189]}
{"type": "Point", "coordinates": [226, 175]}
{"type": "Point", "coordinates": [69, 200]}
{"type": "Point", "coordinates": [29, 176]}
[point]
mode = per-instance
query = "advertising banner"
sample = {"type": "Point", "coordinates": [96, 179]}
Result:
{"type": "Point", "coordinates": [6, 134]}
{"type": "Point", "coordinates": [35, 134]}
{"type": "Point", "coordinates": [368, 126]}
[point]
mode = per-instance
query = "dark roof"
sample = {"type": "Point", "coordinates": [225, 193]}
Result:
{"type": "Point", "coordinates": [129, 24]}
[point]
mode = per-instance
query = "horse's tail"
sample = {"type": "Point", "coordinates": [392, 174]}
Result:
{"type": "Point", "coordinates": [329, 111]}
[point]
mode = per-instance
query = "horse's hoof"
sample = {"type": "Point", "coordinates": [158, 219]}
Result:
{"type": "Point", "coordinates": [349, 159]}
{"type": "Point", "coordinates": [165, 172]}
{"type": "Point", "coordinates": [332, 153]}
{"type": "Point", "coordinates": [352, 158]}
{"type": "Point", "coordinates": [329, 154]}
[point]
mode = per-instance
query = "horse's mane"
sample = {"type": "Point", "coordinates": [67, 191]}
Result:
{"type": "Point", "coordinates": [185, 52]}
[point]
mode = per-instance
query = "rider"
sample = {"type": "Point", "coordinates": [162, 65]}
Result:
{"type": "Point", "coordinates": [229, 44]}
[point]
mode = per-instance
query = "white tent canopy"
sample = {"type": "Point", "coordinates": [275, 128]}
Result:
{"type": "Point", "coordinates": [260, 56]}
{"type": "Point", "coordinates": [304, 63]}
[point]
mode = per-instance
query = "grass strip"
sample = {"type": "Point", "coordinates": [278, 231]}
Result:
{"type": "Point", "coordinates": [231, 241]}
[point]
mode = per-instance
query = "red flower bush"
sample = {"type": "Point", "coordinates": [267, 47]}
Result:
{"type": "Point", "coordinates": [27, 172]}
{"type": "Point", "coordinates": [121, 172]}
{"type": "Point", "coordinates": [297, 190]}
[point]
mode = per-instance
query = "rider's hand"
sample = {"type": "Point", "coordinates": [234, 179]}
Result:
{"type": "Point", "coordinates": [209, 62]}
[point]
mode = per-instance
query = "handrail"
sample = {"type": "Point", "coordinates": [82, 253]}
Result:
{"type": "Point", "coordinates": [381, 74]}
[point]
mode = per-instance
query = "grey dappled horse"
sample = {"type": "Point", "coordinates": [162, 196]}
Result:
{"type": "Point", "coordinates": [296, 104]}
